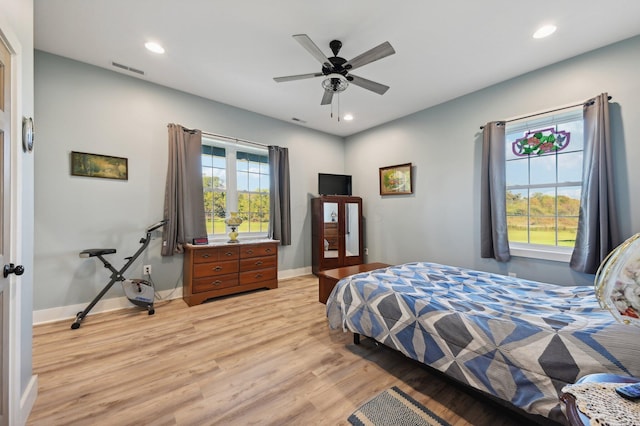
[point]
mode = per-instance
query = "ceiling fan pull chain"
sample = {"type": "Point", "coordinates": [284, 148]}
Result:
{"type": "Point", "coordinates": [338, 107]}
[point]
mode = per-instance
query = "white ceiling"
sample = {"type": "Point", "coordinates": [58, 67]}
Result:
{"type": "Point", "coordinates": [229, 51]}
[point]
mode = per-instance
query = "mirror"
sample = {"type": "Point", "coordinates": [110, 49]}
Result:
{"type": "Point", "coordinates": [330, 211]}
{"type": "Point", "coordinates": [351, 230]}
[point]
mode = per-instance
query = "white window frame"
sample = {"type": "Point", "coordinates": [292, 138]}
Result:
{"type": "Point", "coordinates": [541, 251]}
{"type": "Point", "coordinates": [231, 149]}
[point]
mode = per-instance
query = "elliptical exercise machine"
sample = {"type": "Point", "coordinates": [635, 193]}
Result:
{"type": "Point", "coordinates": [139, 292]}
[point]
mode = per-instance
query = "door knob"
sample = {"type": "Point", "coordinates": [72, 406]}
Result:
{"type": "Point", "coordinates": [12, 269]}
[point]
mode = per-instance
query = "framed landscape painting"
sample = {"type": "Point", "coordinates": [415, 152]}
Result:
{"type": "Point", "coordinates": [395, 180]}
{"type": "Point", "coordinates": [100, 166]}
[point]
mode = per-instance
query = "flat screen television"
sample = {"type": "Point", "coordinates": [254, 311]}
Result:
{"type": "Point", "coordinates": [329, 184]}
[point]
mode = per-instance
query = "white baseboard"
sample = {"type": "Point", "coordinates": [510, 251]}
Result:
{"type": "Point", "coordinates": [292, 273]}
{"type": "Point", "coordinates": [105, 305]}
{"type": "Point", "coordinates": [28, 399]}
{"type": "Point", "coordinates": [69, 312]}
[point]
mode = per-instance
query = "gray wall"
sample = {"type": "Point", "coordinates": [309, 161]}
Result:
{"type": "Point", "coordinates": [89, 109]}
{"type": "Point", "coordinates": [85, 108]}
{"type": "Point", "coordinates": [440, 221]}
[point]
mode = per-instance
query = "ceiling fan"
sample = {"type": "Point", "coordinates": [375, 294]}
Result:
{"type": "Point", "coordinates": [337, 70]}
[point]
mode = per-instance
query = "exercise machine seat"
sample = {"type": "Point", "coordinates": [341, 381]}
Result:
{"type": "Point", "coordinates": [96, 252]}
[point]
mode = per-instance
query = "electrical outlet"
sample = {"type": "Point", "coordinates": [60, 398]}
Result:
{"type": "Point", "coordinates": [146, 269]}
{"type": "Point", "coordinates": [512, 274]}
{"type": "Point", "coordinates": [366, 252]}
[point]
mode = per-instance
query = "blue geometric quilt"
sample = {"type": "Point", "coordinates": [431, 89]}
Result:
{"type": "Point", "coordinates": [518, 340]}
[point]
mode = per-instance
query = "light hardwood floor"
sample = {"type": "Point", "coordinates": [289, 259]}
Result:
{"type": "Point", "coordinates": [265, 357]}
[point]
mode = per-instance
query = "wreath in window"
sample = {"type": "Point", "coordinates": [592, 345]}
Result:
{"type": "Point", "coordinates": [541, 142]}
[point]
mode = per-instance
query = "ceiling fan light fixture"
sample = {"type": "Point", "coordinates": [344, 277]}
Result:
{"type": "Point", "coordinates": [335, 83]}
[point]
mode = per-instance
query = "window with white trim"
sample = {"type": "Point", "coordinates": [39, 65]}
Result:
{"type": "Point", "coordinates": [544, 184]}
{"type": "Point", "coordinates": [235, 178]}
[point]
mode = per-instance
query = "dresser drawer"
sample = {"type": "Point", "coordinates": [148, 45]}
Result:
{"type": "Point", "coordinates": [258, 250]}
{"type": "Point", "coordinates": [250, 277]}
{"type": "Point", "coordinates": [330, 232]}
{"type": "Point", "coordinates": [214, 268]}
{"type": "Point", "coordinates": [214, 254]}
{"type": "Point", "coordinates": [215, 283]}
{"type": "Point", "coordinates": [228, 253]}
{"type": "Point", "coordinates": [258, 263]}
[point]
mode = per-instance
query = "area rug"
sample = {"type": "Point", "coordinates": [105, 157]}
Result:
{"type": "Point", "coordinates": [394, 408]}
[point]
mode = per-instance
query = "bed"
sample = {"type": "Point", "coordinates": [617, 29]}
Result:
{"type": "Point", "coordinates": [518, 340]}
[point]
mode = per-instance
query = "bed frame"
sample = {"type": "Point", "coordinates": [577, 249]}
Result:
{"type": "Point", "coordinates": [487, 331]}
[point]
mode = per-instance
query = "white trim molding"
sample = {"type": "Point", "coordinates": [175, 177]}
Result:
{"type": "Point", "coordinates": [556, 254]}
{"type": "Point", "coordinates": [105, 305]}
{"type": "Point", "coordinates": [28, 399]}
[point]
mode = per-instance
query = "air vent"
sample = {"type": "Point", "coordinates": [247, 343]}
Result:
{"type": "Point", "coordinates": [126, 68]}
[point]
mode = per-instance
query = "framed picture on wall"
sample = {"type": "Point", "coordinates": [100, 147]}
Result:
{"type": "Point", "coordinates": [100, 166]}
{"type": "Point", "coordinates": [396, 180]}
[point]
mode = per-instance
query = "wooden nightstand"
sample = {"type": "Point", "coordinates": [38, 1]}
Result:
{"type": "Point", "coordinates": [329, 278]}
{"type": "Point", "coordinates": [575, 416]}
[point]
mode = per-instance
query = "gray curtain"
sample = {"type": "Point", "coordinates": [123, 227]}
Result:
{"type": "Point", "coordinates": [184, 198]}
{"type": "Point", "coordinates": [598, 231]}
{"type": "Point", "coordinates": [279, 199]}
{"type": "Point", "coordinates": [493, 205]}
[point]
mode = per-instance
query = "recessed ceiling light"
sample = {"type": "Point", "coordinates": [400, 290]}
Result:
{"type": "Point", "coordinates": [348, 117]}
{"type": "Point", "coordinates": [154, 47]}
{"type": "Point", "coordinates": [544, 31]}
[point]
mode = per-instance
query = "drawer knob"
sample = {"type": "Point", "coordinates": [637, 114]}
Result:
{"type": "Point", "coordinates": [229, 253]}
{"type": "Point", "coordinates": [259, 262]}
{"type": "Point", "coordinates": [218, 268]}
{"type": "Point", "coordinates": [268, 250]}
{"type": "Point", "coordinates": [249, 251]}
{"type": "Point", "coordinates": [258, 275]}
{"type": "Point", "coordinates": [216, 282]}
{"type": "Point", "coordinates": [206, 256]}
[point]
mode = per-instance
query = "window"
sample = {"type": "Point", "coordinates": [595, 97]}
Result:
{"type": "Point", "coordinates": [235, 178]}
{"type": "Point", "coordinates": [544, 183]}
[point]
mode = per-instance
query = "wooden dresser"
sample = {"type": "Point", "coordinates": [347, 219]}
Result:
{"type": "Point", "coordinates": [214, 270]}
{"type": "Point", "coordinates": [331, 235]}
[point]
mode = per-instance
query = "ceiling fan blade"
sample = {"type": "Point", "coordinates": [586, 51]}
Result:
{"type": "Point", "coordinates": [327, 97]}
{"type": "Point", "coordinates": [311, 47]}
{"type": "Point", "coordinates": [297, 77]}
{"type": "Point", "coordinates": [381, 51]}
{"type": "Point", "coordinates": [378, 88]}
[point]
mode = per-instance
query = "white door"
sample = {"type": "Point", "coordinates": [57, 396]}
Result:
{"type": "Point", "coordinates": [5, 215]}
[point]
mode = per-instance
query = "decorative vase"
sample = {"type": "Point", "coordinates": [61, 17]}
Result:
{"type": "Point", "coordinates": [233, 222]}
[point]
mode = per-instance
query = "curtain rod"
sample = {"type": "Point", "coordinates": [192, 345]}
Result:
{"type": "Point", "coordinates": [214, 135]}
{"type": "Point", "coordinates": [589, 102]}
